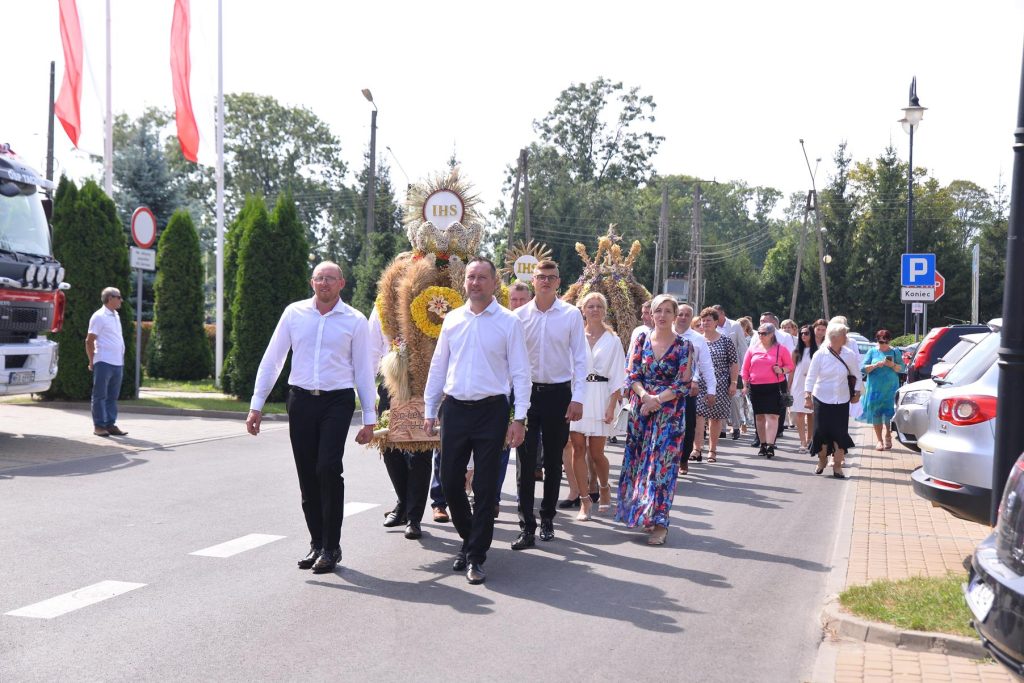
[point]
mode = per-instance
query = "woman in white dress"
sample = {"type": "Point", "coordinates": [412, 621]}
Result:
{"type": "Point", "coordinates": [806, 347]}
{"type": "Point", "coordinates": [606, 373]}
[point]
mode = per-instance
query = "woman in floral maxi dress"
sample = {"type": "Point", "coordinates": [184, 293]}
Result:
{"type": "Point", "coordinates": [657, 377]}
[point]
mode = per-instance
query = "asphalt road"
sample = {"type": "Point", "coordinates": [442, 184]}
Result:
{"type": "Point", "coordinates": [734, 595]}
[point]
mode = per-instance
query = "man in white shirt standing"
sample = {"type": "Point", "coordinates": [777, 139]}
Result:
{"type": "Point", "coordinates": [104, 345]}
{"type": "Point", "coordinates": [704, 368]}
{"type": "Point", "coordinates": [330, 348]}
{"type": "Point", "coordinates": [646, 325]}
{"type": "Point", "coordinates": [557, 346]}
{"type": "Point", "coordinates": [479, 359]}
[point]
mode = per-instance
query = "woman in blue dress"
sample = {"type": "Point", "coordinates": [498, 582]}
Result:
{"type": "Point", "coordinates": [656, 377]}
{"type": "Point", "coordinates": [882, 365]}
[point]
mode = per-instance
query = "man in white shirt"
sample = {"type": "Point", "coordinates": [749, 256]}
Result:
{"type": "Point", "coordinates": [703, 368]}
{"type": "Point", "coordinates": [646, 325]}
{"type": "Point", "coordinates": [409, 471]}
{"type": "Point", "coordinates": [557, 348]}
{"type": "Point", "coordinates": [104, 345]}
{"type": "Point", "coordinates": [734, 331]}
{"type": "Point", "coordinates": [480, 357]}
{"type": "Point", "coordinates": [330, 344]}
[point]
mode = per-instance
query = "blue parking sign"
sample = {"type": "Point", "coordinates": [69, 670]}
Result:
{"type": "Point", "coordinates": [918, 270]}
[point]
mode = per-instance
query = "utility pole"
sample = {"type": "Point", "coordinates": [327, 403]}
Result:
{"type": "Point", "coordinates": [697, 271]}
{"type": "Point", "coordinates": [799, 259]}
{"type": "Point", "coordinates": [515, 200]}
{"type": "Point", "coordinates": [526, 195]}
{"type": "Point", "coordinates": [821, 256]}
{"type": "Point", "coordinates": [661, 252]}
{"type": "Point", "coordinates": [49, 131]}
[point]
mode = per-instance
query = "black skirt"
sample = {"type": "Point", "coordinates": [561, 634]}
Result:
{"type": "Point", "coordinates": [831, 427]}
{"type": "Point", "coordinates": [765, 399]}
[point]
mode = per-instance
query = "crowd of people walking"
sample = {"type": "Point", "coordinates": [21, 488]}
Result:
{"type": "Point", "coordinates": [551, 380]}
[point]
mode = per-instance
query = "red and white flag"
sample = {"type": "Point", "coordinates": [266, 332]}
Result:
{"type": "Point", "coordinates": [191, 80]}
{"type": "Point", "coordinates": [79, 106]}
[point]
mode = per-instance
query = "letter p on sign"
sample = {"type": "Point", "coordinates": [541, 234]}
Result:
{"type": "Point", "coordinates": [918, 270]}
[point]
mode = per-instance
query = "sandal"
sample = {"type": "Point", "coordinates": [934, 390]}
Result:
{"type": "Point", "coordinates": [696, 456]}
{"type": "Point", "coordinates": [658, 535]}
{"type": "Point", "coordinates": [605, 501]}
{"type": "Point", "coordinates": [880, 446]}
{"type": "Point", "coordinates": [712, 456]}
{"type": "Point", "coordinates": [888, 443]}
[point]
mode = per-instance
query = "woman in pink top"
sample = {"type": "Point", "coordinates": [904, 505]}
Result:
{"type": "Point", "coordinates": [764, 379]}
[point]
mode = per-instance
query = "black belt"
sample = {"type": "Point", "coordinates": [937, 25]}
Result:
{"type": "Point", "coordinates": [596, 378]}
{"type": "Point", "coordinates": [318, 392]}
{"type": "Point", "coordinates": [539, 386]}
{"type": "Point", "coordinates": [479, 401]}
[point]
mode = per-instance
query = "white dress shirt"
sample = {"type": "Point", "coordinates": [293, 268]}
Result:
{"type": "Point", "coordinates": [380, 344]}
{"type": "Point", "coordinates": [702, 354]}
{"type": "Point", "coordinates": [476, 356]}
{"type": "Point", "coordinates": [106, 325]}
{"type": "Point", "coordinates": [826, 377]}
{"type": "Point", "coordinates": [329, 352]}
{"type": "Point", "coordinates": [734, 331]}
{"type": "Point", "coordinates": [636, 333]}
{"type": "Point", "coordinates": [556, 344]}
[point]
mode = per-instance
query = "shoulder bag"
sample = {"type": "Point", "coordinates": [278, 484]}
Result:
{"type": "Point", "coordinates": [785, 397]}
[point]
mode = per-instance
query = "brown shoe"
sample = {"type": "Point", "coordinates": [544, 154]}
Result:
{"type": "Point", "coordinates": [441, 516]}
{"type": "Point", "coordinates": [101, 431]}
{"type": "Point", "coordinates": [114, 430]}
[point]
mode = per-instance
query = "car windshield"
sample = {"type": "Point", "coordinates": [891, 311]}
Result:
{"type": "Point", "coordinates": [23, 226]}
{"type": "Point", "coordinates": [975, 362]}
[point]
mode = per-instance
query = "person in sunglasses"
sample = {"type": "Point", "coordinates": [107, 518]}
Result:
{"type": "Point", "coordinates": [882, 366]}
{"type": "Point", "coordinates": [764, 377]}
{"type": "Point", "coordinates": [806, 346]}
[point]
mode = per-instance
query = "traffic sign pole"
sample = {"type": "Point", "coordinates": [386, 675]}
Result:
{"type": "Point", "coordinates": [143, 234]}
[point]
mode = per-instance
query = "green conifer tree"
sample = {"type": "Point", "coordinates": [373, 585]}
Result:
{"type": "Point", "coordinates": [273, 271]}
{"type": "Point", "coordinates": [178, 348]}
{"type": "Point", "coordinates": [89, 242]}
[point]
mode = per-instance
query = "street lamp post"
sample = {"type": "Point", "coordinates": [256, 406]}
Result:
{"type": "Point", "coordinates": [1009, 427]}
{"type": "Point", "coordinates": [372, 187]}
{"type": "Point", "coordinates": [913, 113]}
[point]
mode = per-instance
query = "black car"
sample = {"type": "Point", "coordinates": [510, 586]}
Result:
{"type": "Point", "coordinates": [995, 590]}
{"type": "Point", "coordinates": [935, 345]}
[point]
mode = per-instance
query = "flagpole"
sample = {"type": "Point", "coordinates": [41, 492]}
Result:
{"type": "Point", "coordinates": [108, 133]}
{"type": "Point", "coordinates": [220, 194]}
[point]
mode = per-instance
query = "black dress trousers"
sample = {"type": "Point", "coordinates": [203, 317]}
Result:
{"type": "Point", "coordinates": [318, 426]}
{"type": "Point", "coordinates": [544, 420]}
{"type": "Point", "coordinates": [476, 428]}
{"type": "Point", "coordinates": [691, 425]}
{"type": "Point", "coordinates": [409, 471]}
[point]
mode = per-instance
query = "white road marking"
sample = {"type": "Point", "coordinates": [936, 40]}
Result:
{"type": "Point", "coordinates": [69, 602]}
{"type": "Point", "coordinates": [238, 545]}
{"type": "Point", "coordinates": [356, 508]}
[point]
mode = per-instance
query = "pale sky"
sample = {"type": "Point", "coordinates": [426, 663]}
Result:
{"type": "Point", "coordinates": [737, 83]}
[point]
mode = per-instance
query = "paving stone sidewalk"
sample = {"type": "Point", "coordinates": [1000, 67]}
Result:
{"type": "Point", "coordinates": [896, 535]}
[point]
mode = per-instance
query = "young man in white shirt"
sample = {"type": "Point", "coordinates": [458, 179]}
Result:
{"type": "Point", "coordinates": [703, 367]}
{"type": "Point", "coordinates": [104, 345]}
{"type": "Point", "coordinates": [557, 347]}
{"type": "Point", "coordinates": [479, 359]}
{"type": "Point", "coordinates": [330, 344]}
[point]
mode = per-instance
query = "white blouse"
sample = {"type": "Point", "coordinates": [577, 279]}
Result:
{"type": "Point", "coordinates": [826, 378]}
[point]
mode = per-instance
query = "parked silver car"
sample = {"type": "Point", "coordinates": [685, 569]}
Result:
{"type": "Point", "coordinates": [912, 400]}
{"type": "Point", "coordinates": [957, 447]}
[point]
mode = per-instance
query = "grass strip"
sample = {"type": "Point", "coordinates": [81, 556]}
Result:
{"type": "Point", "coordinates": [196, 385]}
{"type": "Point", "coordinates": [918, 603]}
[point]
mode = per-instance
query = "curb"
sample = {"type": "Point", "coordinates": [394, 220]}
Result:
{"type": "Point", "coordinates": [845, 625]}
{"type": "Point", "coordinates": [153, 410]}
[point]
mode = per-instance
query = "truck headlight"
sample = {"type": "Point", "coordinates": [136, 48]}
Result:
{"type": "Point", "coordinates": [30, 274]}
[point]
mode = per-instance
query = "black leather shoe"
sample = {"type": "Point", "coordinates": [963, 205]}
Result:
{"type": "Point", "coordinates": [523, 541]}
{"type": "Point", "coordinates": [413, 531]}
{"type": "Point", "coordinates": [460, 562]}
{"type": "Point", "coordinates": [569, 504]}
{"type": "Point", "coordinates": [735, 434]}
{"type": "Point", "coordinates": [475, 575]}
{"type": "Point", "coordinates": [769, 451]}
{"type": "Point", "coordinates": [497, 510]}
{"type": "Point", "coordinates": [394, 518]}
{"type": "Point", "coordinates": [757, 442]}
{"type": "Point", "coordinates": [308, 560]}
{"type": "Point", "coordinates": [327, 561]}
{"type": "Point", "coordinates": [547, 530]}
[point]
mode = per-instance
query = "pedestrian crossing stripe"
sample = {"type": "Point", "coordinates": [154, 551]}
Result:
{"type": "Point", "coordinates": [77, 599]}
